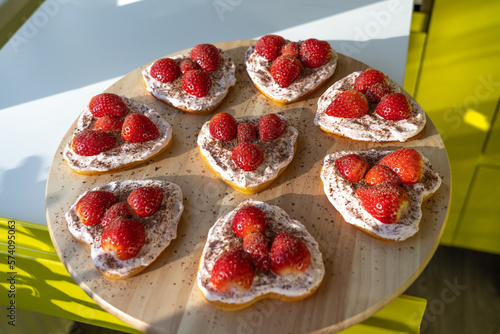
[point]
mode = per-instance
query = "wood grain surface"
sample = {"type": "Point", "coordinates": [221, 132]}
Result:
{"type": "Point", "coordinates": [362, 274]}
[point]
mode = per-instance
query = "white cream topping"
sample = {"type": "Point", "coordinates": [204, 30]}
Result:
{"type": "Point", "coordinates": [222, 79]}
{"type": "Point", "coordinates": [341, 194]}
{"type": "Point", "coordinates": [124, 152]}
{"type": "Point", "coordinates": [370, 127]}
{"type": "Point", "coordinates": [160, 228]}
{"type": "Point", "coordinates": [278, 154]}
{"type": "Point", "coordinates": [221, 238]}
{"type": "Point", "coordinates": [258, 69]}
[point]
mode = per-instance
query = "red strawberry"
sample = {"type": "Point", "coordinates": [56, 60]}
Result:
{"type": "Point", "coordinates": [247, 132]}
{"type": "Point", "coordinates": [207, 56]}
{"type": "Point", "coordinates": [92, 142]}
{"type": "Point", "coordinates": [223, 126]}
{"type": "Point", "coordinates": [285, 70]}
{"type": "Point", "coordinates": [381, 174]}
{"type": "Point", "coordinates": [315, 53]}
{"type": "Point", "coordinates": [352, 166]}
{"type": "Point", "coordinates": [394, 107]}
{"type": "Point", "coordinates": [289, 255]}
{"type": "Point", "coordinates": [270, 127]}
{"type": "Point", "coordinates": [248, 220]}
{"type": "Point", "coordinates": [188, 65]}
{"type": "Point", "coordinates": [232, 270]}
{"type": "Point", "coordinates": [165, 70]}
{"type": "Point", "coordinates": [107, 104]}
{"type": "Point", "coordinates": [375, 93]}
{"type": "Point", "coordinates": [125, 237]}
{"type": "Point", "coordinates": [367, 79]}
{"type": "Point", "coordinates": [93, 205]}
{"type": "Point", "coordinates": [348, 104]}
{"type": "Point", "coordinates": [145, 201]}
{"type": "Point", "coordinates": [197, 83]}
{"type": "Point", "coordinates": [247, 156]}
{"type": "Point", "coordinates": [138, 128]}
{"type": "Point", "coordinates": [269, 46]}
{"type": "Point", "coordinates": [118, 210]}
{"type": "Point", "coordinates": [291, 49]}
{"type": "Point", "coordinates": [406, 163]}
{"type": "Point", "coordinates": [108, 123]}
{"type": "Point", "coordinates": [384, 201]}
{"type": "Point", "coordinates": [256, 246]}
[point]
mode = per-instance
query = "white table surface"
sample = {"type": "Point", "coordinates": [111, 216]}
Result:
{"type": "Point", "coordinates": [71, 50]}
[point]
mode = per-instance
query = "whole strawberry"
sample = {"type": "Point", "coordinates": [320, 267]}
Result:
{"type": "Point", "coordinates": [289, 255]}
{"type": "Point", "coordinates": [188, 65]}
{"type": "Point", "coordinates": [232, 270]}
{"type": "Point", "coordinates": [165, 70]}
{"type": "Point", "coordinates": [196, 83]}
{"type": "Point", "coordinates": [92, 142]}
{"type": "Point", "coordinates": [207, 56]}
{"type": "Point", "coordinates": [394, 107]}
{"type": "Point", "coordinates": [138, 128]}
{"type": "Point", "coordinates": [367, 79]}
{"type": "Point", "coordinates": [93, 205]}
{"type": "Point", "coordinates": [376, 93]}
{"type": "Point", "coordinates": [145, 201]}
{"type": "Point", "coordinates": [108, 124]}
{"type": "Point", "coordinates": [108, 104]}
{"type": "Point", "coordinates": [291, 49]}
{"type": "Point", "coordinates": [256, 246]}
{"type": "Point", "coordinates": [348, 104]}
{"type": "Point", "coordinates": [384, 202]}
{"type": "Point", "coordinates": [285, 70]}
{"type": "Point", "coordinates": [223, 126]}
{"type": "Point", "coordinates": [249, 219]}
{"type": "Point", "coordinates": [117, 210]}
{"type": "Point", "coordinates": [269, 46]}
{"type": "Point", "coordinates": [247, 156]}
{"type": "Point", "coordinates": [352, 166]}
{"type": "Point", "coordinates": [407, 163]}
{"type": "Point", "coordinates": [381, 174]}
{"type": "Point", "coordinates": [270, 127]}
{"type": "Point", "coordinates": [124, 237]}
{"type": "Point", "coordinates": [246, 132]}
{"type": "Point", "coordinates": [315, 53]}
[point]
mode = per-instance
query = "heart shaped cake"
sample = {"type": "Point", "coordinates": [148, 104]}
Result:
{"type": "Point", "coordinates": [248, 153]}
{"type": "Point", "coordinates": [127, 224]}
{"type": "Point", "coordinates": [196, 82]}
{"type": "Point", "coordinates": [380, 192]}
{"type": "Point", "coordinates": [286, 71]}
{"type": "Point", "coordinates": [258, 251]}
{"type": "Point", "coordinates": [369, 106]}
{"type": "Point", "coordinates": [115, 133]}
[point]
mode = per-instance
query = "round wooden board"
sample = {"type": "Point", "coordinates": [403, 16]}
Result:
{"type": "Point", "coordinates": [362, 274]}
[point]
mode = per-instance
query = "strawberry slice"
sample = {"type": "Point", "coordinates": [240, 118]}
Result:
{"type": "Point", "coordinates": [376, 93]}
{"type": "Point", "coordinates": [352, 166]}
{"type": "Point", "coordinates": [270, 127]}
{"type": "Point", "coordinates": [384, 202]}
{"type": "Point", "coordinates": [196, 83]}
{"type": "Point", "coordinates": [269, 46]}
{"type": "Point", "coordinates": [92, 142]}
{"type": "Point", "coordinates": [285, 70]}
{"type": "Point", "coordinates": [247, 132]}
{"type": "Point", "coordinates": [108, 124]}
{"type": "Point", "coordinates": [367, 79]}
{"type": "Point", "coordinates": [394, 107]}
{"type": "Point", "coordinates": [93, 205]}
{"type": "Point", "coordinates": [188, 65]}
{"type": "Point", "coordinates": [138, 128]}
{"type": "Point", "coordinates": [223, 126]}
{"type": "Point", "coordinates": [407, 163]}
{"type": "Point", "coordinates": [124, 237]}
{"type": "Point", "coordinates": [248, 220]}
{"type": "Point", "coordinates": [108, 104]}
{"type": "Point", "coordinates": [291, 49]}
{"type": "Point", "coordinates": [247, 156]}
{"type": "Point", "coordinates": [118, 210]}
{"type": "Point", "coordinates": [348, 104]}
{"type": "Point", "coordinates": [381, 174]}
{"type": "Point", "coordinates": [165, 70]}
{"type": "Point", "coordinates": [315, 53]}
{"type": "Point", "coordinates": [256, 246]}
{"type": "Point", "coordinates": [207, 56]}
{"type": "Point", "coordinates": [289, 255]}
{"type": "Point", "coordinates": [145, 201]}
{"type": "Point", "coordinates": [232, 270]}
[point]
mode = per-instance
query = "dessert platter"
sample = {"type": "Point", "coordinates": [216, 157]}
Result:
{"type": "Point", "coordinates": [176, 280]}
